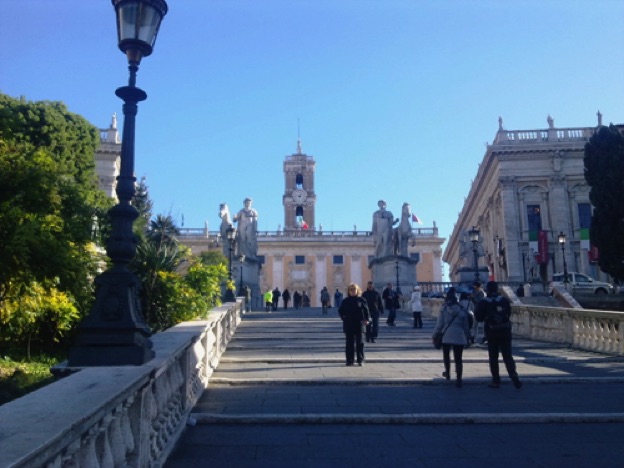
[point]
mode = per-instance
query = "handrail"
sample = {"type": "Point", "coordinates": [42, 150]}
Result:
{"type": "Point", "coordinates": [119, 416]}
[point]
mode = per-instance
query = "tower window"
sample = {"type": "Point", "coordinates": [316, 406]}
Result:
{"type": "Point", "coordinates": [299, 181]}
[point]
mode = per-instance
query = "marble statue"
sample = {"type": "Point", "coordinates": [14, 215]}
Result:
{"type": "Point", "coordinates": [247, 230]}
{"type": "Point", "coordinates": [382, 230]}
{"type": "Point", "coordinates": [403, 231]}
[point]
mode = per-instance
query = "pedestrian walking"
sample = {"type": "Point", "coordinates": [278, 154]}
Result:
{"type": "Point", "coordinates": [417, 307]}
{"type": "Point", "coordinates": [391, 300]}
{"type": "Point", "coordinates": [354, 315]}
{"type": "Point", "coordinates": [305, 299]}
{"type": "Point", "coordinates": [268, 301]}
{"type": "Point", "coordinates": [285, 298]}
{"type": "Point", "coordinates": [297, 299]}
{"type": "Point", "coordinates": [375, 307]}
{"type": "Point", "coordinates": [337, 298]}
{"type": "Point", "coordinates": [325, 299]}
{"type": "Point", "coordinates": [495, 311]}
{"type": "Point", "coordinates": [453, 324]}
{"type": "Point", "coordinates": [276, 296]}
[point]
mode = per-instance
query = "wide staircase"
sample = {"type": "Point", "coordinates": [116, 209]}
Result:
{"type": "Point", "coordinates": [282, 396]}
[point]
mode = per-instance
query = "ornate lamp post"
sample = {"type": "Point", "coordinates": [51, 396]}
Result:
{"type": "Point", "coordinates": [230, 234]}
{"type": "Point", "coordinates": [562, 241]}
{"type": "Point", "coordinates": [473, 236]}
{"type": "Point", "coordinates": [397, 274]}
{"type": "Point", "coordinates": [114, 333]}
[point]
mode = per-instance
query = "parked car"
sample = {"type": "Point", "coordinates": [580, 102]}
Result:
{"type": "Point", "coordinates": [582, 283]}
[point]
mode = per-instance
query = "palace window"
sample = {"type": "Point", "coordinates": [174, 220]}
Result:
{"type": "Point", "coordinates": [534, 218]}
{"type": "Point", "coordinates": [584, 212]}
{"type": "Point", "coordinates": [299, 259]}
{"type": "Point", "coordinates": [338, 260]}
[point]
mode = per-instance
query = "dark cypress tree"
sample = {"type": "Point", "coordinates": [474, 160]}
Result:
{"type": "Point", "coordinates": [604, 172]}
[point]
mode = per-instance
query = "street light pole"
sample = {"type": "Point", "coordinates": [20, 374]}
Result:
{"type": "Point", "coordinates": [229, 294]}
{"type": "Point", "coordinates": [115, 333]}
{"type": "Point", "coordinates": [473, 235]}
{"type": "Point", "coordinates": [240, 287]}
{"type": "Point", "coordinates": [397, 275]}
{"type": "Point", "coordinates": [562, 241]}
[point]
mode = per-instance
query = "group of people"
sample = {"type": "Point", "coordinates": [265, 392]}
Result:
{"type": "Point", "coordinates": [272, 297]}
{"type": "Point", "coordinates": [458, 323]}
{"type": "Point", "coordinates": [326, 299]}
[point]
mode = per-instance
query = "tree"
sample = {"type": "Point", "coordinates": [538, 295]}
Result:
{"type": "Point", "coordinates": [604, 172]}
{"type": "Point", "coordinates": [48, 199]}
{"type": "Point", "coordinates": [176, 285]}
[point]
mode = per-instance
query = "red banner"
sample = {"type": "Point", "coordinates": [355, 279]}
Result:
{"type": "Point", "coordinates": [593, 254]}
{"type": "Point", "coordinates": [542, 245]}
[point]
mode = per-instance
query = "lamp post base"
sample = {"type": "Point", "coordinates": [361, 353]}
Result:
{"type": "Point", "coordinates": [114, 333]}
{"type": "Point", "coordinates": [229, 296]}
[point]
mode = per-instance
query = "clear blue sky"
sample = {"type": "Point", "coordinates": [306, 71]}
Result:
{"type": "Point", "coordinates": [395, 98]}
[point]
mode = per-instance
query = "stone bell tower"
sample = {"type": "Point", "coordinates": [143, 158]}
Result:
{"type": "Point", "coordinates": [299, 198]}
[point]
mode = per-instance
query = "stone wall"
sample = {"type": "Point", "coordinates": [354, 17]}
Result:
{"type": "Point", "coordinates": [119, 416]}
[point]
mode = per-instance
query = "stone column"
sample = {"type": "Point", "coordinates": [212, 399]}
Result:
{"type": "Point", "coordinates": [320, 279]}
{"type": "Point", "coordinates": [510, 235]}
{"type": "Point", "coordinates": [356, 271]}
{"type": "Point", "coordinates": [278, 272]}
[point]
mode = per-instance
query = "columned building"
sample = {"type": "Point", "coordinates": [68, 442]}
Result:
{"type": "Point", "coordinates": [303, 257]}
{"type": "Point", "coordinates": [529, 188]}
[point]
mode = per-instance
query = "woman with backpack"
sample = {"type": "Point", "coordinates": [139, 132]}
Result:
{"type": "Point", "coordinates": [453, 324]}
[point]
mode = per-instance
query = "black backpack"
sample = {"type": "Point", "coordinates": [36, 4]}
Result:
{"type": "Point", "coordinates": [497, 314]}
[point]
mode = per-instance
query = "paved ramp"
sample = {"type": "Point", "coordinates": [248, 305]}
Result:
{"type": "Point", "coordinates": [282, 396]}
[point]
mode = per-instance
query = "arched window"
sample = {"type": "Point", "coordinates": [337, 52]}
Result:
{"type": "Point", "coordinates": [299, 181]}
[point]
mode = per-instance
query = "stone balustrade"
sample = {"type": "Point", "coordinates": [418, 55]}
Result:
{"type": "Point", "coordinates": [365, 235]}
{"type": "Point", "coordinates": [592, 330]}
{"type": "Point", "coordinates": [118, 416]}
{"type": "Point", "coordinates": [518, 137]}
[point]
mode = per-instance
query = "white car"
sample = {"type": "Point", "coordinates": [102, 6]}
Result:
{"type": "Point", "coordinates": [582, 283]}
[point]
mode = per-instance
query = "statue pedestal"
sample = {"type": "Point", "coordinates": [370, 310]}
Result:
{"type": "Point", "coordinates": [250, 271]}
{"type": "Point", "coordinates": [395, 269]}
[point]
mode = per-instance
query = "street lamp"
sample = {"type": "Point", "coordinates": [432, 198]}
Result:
{"type": "Point", "coordinates": [473, 236]}
{"type": "Point", "coordinates": [230, 234]}
{"type": "Point", "coordinates": [397, 274]}
{"type": "Point", "coordinates": [562, 241]}
{"type": "Point", "coordinates": [114, 332]}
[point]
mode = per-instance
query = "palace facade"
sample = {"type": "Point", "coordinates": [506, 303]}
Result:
{"type": "Point", "coordinates": [529, 189]}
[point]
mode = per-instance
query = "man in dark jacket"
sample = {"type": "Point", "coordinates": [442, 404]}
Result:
{"type": "Point", "coordinates": [495, 311]}
{"type": "Point", "coordinates": [391, 300]}
{"type": "Point", "coordinates": [354, 314]}
{"type": "Point", "coordinates": [276, 295]}
{"type": "Point", "coordinates": [375, 307]}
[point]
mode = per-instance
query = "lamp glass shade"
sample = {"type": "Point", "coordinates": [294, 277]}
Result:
{"type": "Point", "coordinates": [473, 235]}
{"type": "Point", "coordinates": [230, 233]}
{"type": "Point", "coordinates": [562, 238]}
{"type": "Point", "coordinates": [138, 22]}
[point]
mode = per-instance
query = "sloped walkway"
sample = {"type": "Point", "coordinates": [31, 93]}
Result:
{"type": "Point", "coordinates": [282, 396]}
